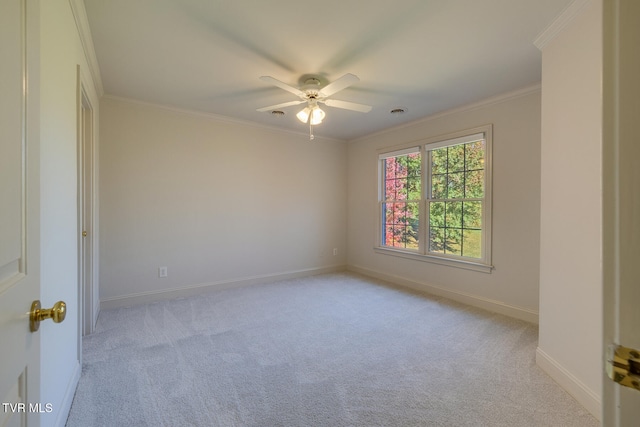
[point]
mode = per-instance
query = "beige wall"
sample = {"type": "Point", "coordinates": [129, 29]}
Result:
{"type": "Point", "coordinates": [213, 201]}
{"type": "Point", "coordinates": [570, 348]}
{"type": "Point", "coordinates": [512, 287]}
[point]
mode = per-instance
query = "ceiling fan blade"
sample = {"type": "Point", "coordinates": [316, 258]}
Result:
{"type": "Point", "coordinates": [283, 85]}
{"type": "Point", "coordinates": [277, 106]}
{"type": "Point", "coordinates": [347, 105]}
{"type": "Point", "coordinates": [342, 83]}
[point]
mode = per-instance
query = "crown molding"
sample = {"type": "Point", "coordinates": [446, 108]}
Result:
{"type": "Point", "coordinates": [560, 23]}
{"type": "Point", "coordinates": [84, 31]}
{"type": "Point", "coordinates": [508, 96]}
{"type": "Point", "coordinates": [217, 117]}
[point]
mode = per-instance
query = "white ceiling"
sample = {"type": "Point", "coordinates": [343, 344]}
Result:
{"type": "Point", "coordinates": [422, 55]}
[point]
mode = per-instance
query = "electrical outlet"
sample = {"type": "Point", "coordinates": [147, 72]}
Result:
{"type": "Point", "coordinates": [162, 272]}
{"type": "Point", "coordinates": [335, 251]}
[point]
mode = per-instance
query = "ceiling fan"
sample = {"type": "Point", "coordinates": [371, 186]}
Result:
{"type": "Point", "coordinates": [312, 94]}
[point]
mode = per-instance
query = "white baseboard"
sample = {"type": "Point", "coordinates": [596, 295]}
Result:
{"type": "Point", "coordinates": [165, 294]}
{"type": "Point", "coordinates": [473, 300]}
{"type": "Point", "coordinates": [70, 392]}
{"type": "Point", "coordinates": [585, 396]}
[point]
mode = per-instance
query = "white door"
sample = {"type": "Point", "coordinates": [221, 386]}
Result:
{"type": "Point", "coordinates": [621, 192]}
{"type": "Point", "coordinates": [19, 212]}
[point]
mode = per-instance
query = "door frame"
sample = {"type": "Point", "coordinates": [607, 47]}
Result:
{"type": "Point", "coordinates": [88, 292]}
{"type": "Point", "coordinates": [621, 199]}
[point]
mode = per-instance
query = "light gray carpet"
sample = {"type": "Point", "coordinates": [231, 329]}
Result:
{"type": "Point", "coordinates": [329, 350]}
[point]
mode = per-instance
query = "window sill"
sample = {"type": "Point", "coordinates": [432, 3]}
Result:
{"type": "Point", "coordinates": [467, 265]}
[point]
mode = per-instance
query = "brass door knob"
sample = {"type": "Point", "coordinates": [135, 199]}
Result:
{"type": "Point", "coordinates": [84, 234]}
{"type": "Point", "coordinates": [57, 313]}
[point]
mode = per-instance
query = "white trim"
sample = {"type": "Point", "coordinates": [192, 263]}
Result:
{"type": "Point", "coordinates": [480, 133]}
{"type": "Point", "coordinates": [560, 23]}
{"type": "Point", "coordinates": [586, 397]}
{"type": "Point", "coordinates": [217, 117]}
{"type": "Point", "coordinates": [456, 141]}
{"type": "Point", "coordinates": [484, 133]}
{"type": "Point", "coordinates": [436, 259]}
{"type": "Point", "coordinates": [485, 130]}
{"type": "Point", "coordinates": [63, 411]}
{"type": "Point", "coordinates": [84, 89]}
{"type": "Point", "coordinates": [493, 306]}
{"type": "Point", "coordinates": [84, 32]}
{"type": "Point", "coordinates": [186, 291]}
{"type": "Point", "coordinates": [389, 154]}
{"type": "Point", "coordinates": [498, 99]}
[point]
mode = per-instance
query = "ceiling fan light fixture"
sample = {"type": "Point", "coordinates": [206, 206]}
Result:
{"type": "Point", "coordinates": [303, 115]}
{"type": "Point", "coordinates": [314, 113]}
{"type": "Point", "coordinates": [317, 115]}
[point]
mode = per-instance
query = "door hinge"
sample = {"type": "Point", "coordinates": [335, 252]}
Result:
{"type": "Point", "coordinates": [623, 366]}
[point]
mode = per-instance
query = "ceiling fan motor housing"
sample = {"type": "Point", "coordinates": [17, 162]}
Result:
{"type": "Point", "coordinates": [311, 87]}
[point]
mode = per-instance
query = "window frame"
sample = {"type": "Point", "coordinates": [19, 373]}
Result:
{"type": "Point", "coordinates": [425, 147]}
{"type": "Point", "coordinates": [381, 193]}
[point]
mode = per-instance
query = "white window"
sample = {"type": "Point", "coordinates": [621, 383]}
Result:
{"type": "Point", "coordinates": [435, 200]}
{"type": "Point", "coordinates": [401, 193]}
